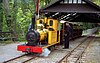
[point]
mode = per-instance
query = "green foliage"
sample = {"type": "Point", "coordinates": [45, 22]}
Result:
{"type": "Point", "coordinates": [88, 25]}
{"type": "Point", "coordinates": [97, 2]}
{"type": "Point", "coordinates": [25, 10]}
{"type": "Point", "coordinates": [21, 12]}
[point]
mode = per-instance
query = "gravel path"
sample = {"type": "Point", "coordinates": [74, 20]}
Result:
{"type": "Point", "coordinates": [92, 54]}
{"type": "Point", "coordinates": [9, 51]}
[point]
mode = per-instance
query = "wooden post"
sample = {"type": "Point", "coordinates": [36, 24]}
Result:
{"type": "Point", "coordinates": [37, 8]}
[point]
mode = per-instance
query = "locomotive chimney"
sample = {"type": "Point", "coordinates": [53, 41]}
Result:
{"type": "Point", "coordinates": [33, 21]}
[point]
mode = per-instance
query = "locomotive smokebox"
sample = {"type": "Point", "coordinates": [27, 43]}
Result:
{"type": "Point", "coordinates": [32, 38]}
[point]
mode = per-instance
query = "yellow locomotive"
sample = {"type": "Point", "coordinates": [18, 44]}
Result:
{"type": "Point", "coordinates": [48, 30]}
{"type": "Point", "coordinates": [45, 35]}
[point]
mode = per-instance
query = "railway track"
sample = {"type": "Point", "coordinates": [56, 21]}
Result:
{"type": "Point", "coordinates": [22, 59]}
{"type": "Point", "coordinates": [74, 55]}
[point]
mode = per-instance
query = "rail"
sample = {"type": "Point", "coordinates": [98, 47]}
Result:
{"type": "Point", "coordinates": [25, 57]}
{"type": "Point", "coordinates": [77, 52]}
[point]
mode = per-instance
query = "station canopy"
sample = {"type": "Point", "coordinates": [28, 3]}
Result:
{"type": "Point", "coordinates": [73, 10]}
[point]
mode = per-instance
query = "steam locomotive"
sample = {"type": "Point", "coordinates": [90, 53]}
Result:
{"type": "Point", "coordinates": [48, 32]}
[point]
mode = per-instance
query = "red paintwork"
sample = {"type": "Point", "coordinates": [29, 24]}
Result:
{"type": "Point", "coordinates": [32, 49]}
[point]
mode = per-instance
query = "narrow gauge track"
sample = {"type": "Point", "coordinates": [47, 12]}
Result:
{"type": "Point", "coordinates": [75, 54]}
{"type": "Point", "coordinates": [21, 59]}
{"type": "Point", "coordinates": [26, 57]}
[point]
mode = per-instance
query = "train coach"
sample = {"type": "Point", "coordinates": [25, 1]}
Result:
{"type": "Point", "coordinates": [48, 32]}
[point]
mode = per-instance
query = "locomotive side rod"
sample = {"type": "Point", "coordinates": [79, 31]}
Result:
{"type": "Point", "coordinates": [64, 59]}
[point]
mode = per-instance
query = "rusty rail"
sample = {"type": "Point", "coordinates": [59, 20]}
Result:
{"type": "Point", "coordinates": [65, 59]}
{"type": "Point", "coordinates": [19, 57]}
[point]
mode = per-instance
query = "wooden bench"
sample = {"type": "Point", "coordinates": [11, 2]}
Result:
{"type": "Point", "coordinates": [4, 39]}
{"type": "Point", "coordinates": [6, 36]}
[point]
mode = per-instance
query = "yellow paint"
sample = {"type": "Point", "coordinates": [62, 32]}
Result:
{"type": "Point", "coordinates": [43, 35]}
{"type": "Point", "coordinates": [50, 45]}
{"type": "Point", "coordinates": [52, 34]}
{"type": "Point", "coordinates": [55, 24]}
{"type": "Point", "coordinates": [38, 21]}
{"type": "Point", "coordinates": [52, 37]}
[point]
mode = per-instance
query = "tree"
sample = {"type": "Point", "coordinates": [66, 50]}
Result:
{"type": "Point", "coordinates": [96, 2]}
{"type": "Point", "coordinates": [7, 13]}
{"type": "Point", "coordinates": [16, 14]}
{"type": "Point", "coordinates": [1, 15]}
{"type": "Point", "coordinates": [10, 13]}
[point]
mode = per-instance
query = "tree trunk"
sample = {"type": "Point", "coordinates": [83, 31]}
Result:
{"type": "Point", "coordinates": [1, 16]}
{"type": "Point", "coordinates": [7, 13]}
{"type": "Point", "coordinates": [14, 17]}
{"type": "Point", "coordinates": [11, 16]}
